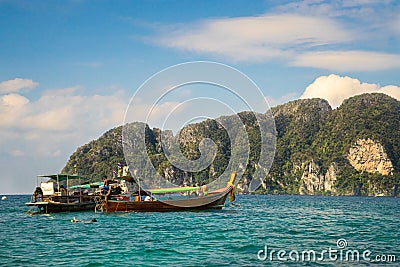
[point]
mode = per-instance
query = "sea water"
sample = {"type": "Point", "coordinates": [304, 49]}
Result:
{"type": "Point", "coordinates": [263, 231]}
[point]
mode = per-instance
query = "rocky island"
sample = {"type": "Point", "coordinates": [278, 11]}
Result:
{"type": "Point", "coordinates": [351, 150]}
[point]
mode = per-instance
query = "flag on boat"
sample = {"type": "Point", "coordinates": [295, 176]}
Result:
{"type": "Point", "coordinates": [125, 171]}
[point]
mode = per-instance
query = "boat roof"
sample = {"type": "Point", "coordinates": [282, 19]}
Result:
{"type": "Point", "coordinates": [172, 190]}
{"type": "Point", "coordinates": [62, 177]}
{"type": "Point", "coordinates": [87, 186]}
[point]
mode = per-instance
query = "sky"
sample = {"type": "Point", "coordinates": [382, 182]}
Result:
{"type": "Point", "coordinates": [68, 69]}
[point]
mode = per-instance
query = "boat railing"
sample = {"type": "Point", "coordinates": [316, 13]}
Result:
{"type": "Point", "coordinates": [71, 199]}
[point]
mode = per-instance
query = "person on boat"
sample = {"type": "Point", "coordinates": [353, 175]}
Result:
{"type": "Point", "coordinates": [147, 198]}
{"type": "Point", "coordinates": [106, 186]}
{"type": "Point", "coordinates": [63, 190]}
{"type": "Point", "coordinates": [38, 194]}
{"type": "Point", "coordinates": [204, 189]}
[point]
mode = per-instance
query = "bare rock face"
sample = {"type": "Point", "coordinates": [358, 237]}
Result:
{"type": "Point", "coordinates": [330, 178]}
{"type": "Point", "coordinates": [313, 181]}
{"type": "Point", "coordinates": [370, 156]}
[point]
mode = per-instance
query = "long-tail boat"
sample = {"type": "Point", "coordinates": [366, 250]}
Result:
{"type": "Point", "coordinates": [146, 200]}
{"type": "Point", "coordinates": [51, 195]}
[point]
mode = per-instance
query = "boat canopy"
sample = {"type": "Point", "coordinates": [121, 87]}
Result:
{"type": "Point", "coordinates": [172, 190]}
{"type": "Point", "coordinates": [87, 186]}
{"type": "Point", "coordinates": [62, 177]}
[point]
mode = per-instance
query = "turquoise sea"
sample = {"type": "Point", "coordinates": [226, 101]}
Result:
{"type": "Point", "coordinates": [297, 226]}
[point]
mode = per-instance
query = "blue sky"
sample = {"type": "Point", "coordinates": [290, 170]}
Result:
{"type": "Point", "coordinates": [69, 68]}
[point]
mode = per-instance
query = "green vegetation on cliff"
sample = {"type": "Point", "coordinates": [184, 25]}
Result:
{"type": "Point", "coordinates": [97, 158]}
{"type": "Point", "coordinates": [312, 148]}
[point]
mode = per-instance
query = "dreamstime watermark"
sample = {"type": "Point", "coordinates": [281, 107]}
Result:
{"type": "Point", "coordinates": [188, 93]}
{"type": "Point", "coordinates": [340, 253]}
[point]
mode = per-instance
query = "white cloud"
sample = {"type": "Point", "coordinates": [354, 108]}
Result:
{"type": "Point", "coordinates": [16, 85]}
{"type": "Point", "coordinates": [391, 90]}
{"type": "Point", "coordinates": [335, 89]}
{"type": "Point", "coordinates": [318, 34]}
{"type": "Point", "coordinates": [255, 38]}
{"type": "Point", "coordinates": [13, 100]}
{"type": "Point", "coordinates": [60, 110]}
{"type": "Point", "coordinates": [348, 60]}
{"type": "Point", "coordinates": [11, 108]}
{"type": "Point", "coordinates": [57, 119]}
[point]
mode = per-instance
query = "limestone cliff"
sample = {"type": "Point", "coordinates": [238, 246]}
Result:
{"type": "Point", "coordinates": [314, 182]}
{"type": "Point", "coordinates": [370, 156]}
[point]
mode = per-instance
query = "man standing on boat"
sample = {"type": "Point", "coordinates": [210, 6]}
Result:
{"type": "Point", "coordinates": [106, 187]}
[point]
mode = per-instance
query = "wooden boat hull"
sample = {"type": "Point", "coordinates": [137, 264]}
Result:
{"type": "Point", "coordinates": [211, 201]}
{"type": "Point", "coordinates": [52, 207]}
{"type": "Point", "coordinates": [55, 204]}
